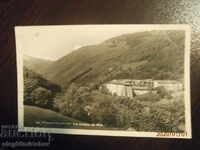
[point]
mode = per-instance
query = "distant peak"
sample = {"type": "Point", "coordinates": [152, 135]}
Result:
{"type": "Point", "coordinates": [28, 57]}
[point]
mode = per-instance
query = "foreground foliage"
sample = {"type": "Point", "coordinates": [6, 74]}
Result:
{"type": "Point", "coordinates": [149, 112]}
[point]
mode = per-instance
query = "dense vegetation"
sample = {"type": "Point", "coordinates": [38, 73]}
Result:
{"type": "Point", "coordinates": [157, 55]}
{"type": "Point", "coordinates": [37, 90]}
{"type": "Point", "coordinates": [147, 112]}
{"type": "Point", "coordinates": [142, 113]}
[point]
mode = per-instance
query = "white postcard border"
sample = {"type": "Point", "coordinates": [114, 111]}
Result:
{"type": "Point", "coordinates": [20, 86]}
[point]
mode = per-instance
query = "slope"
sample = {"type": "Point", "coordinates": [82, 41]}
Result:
{"type": "Point", "coordinates": [40, 117]}
{"type": "Point", "coordinates": [151, 54]}
{"type": "Point", "coordinates": [36, 64]}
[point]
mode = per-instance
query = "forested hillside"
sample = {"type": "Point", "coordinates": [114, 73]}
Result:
{"type": "Point", "coordinates": [82, 73]}
{"type": "Point", "coordinates": [157, 55]}
{"type": "Point", "coordinates": [38, 91]}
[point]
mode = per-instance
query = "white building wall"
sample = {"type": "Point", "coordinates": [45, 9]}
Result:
{"type": "Point", "coordinates": [124, 90]}
{"type": "Point", "coordinates": [120, 90]}
{"type": "Point", "coordinates": [169, 85]}
{"type": "Point", "coordinates": [140, 92]}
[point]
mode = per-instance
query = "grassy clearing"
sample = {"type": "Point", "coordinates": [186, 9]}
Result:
{"type": "Point", "coordinates": [40, 117]}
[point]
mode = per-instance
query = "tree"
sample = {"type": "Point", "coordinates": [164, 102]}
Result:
{"type": "Point", "coordinates": [64, 102]}
{"type": "Point", "coordinates": [73, 102]}
{"type": "Point", "coordinates": [163, 92]}
{"type": "Point", "coordinates": [42, 97]}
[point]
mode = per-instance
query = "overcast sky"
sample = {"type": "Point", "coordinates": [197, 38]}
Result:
{"type": "Point", "coordinates": [53, 42]}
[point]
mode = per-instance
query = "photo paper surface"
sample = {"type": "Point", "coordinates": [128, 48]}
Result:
{"type": "Point", "coordinates": [110, 80]}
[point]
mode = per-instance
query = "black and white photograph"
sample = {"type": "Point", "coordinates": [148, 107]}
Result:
{"type": "Point", "coordinates": [111, 80]}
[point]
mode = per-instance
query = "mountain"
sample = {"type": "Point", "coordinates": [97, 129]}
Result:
{"type": "Point", "coordinates": [36, 64]}
{"type": "Point", "coordinates": [150, 54]}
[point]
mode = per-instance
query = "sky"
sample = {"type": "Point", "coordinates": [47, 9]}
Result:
{"type": "Point", "coordinates": [54, 42]}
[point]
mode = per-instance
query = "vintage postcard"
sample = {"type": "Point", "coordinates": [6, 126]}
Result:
{"type": "Point", "coordinates": [110, 80]}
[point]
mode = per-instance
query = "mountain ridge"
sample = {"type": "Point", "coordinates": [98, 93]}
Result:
{"type": "Point", "coordinates": [38, 65]}
{"type": "Point", "coordinates": [150, 54]}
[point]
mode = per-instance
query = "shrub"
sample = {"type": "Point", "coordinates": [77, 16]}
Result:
{"type": "Point", "coordinates": [163, 92]}
{"type": "Point", "coordinates": [41, 97]}
{"type": "Point", "coordinates": [149, 97]}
